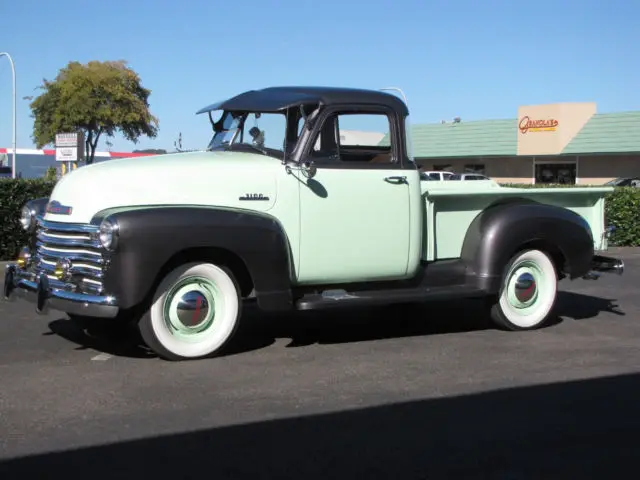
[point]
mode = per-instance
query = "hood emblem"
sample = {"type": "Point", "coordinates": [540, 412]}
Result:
{"type": "Point", "coordinates": [56, 208]}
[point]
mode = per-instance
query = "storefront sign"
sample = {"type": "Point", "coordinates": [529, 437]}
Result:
{"type": "Point", "coordinates": [69, 147]}
{"type": "Point", "coordinates": [528, 125]}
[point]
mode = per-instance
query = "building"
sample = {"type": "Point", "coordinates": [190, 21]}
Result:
{"type": "Point", "coordinates": [31, 163]}
{"type": "Point", "coordinates": [359, 137]}
{"type": "Point", "coordinates": [554, 143]}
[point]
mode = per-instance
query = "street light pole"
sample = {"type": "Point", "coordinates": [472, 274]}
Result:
{"type": "Point", "coordinates": [13, 72]}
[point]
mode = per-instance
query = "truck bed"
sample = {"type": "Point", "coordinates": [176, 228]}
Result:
{"type": "Point", "coordinates": [451, 206]}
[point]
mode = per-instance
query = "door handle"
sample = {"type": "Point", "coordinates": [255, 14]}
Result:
{"type": "Point", "coordinates": [396, 179]}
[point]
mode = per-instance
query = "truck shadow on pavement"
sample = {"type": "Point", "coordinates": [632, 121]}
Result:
{"type": "Point", "coordinates": [570, 430]}
{"type": "Point", "coordinates": [260, 330]}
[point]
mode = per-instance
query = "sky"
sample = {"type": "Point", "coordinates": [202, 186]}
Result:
{"type": "Point", "coordinates": [466, 58]}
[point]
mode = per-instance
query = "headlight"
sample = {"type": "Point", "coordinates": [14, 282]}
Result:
{"type": "Point", "coordinates": [108, 234]}
{"type": "Point", "coordinates": [27, 218]}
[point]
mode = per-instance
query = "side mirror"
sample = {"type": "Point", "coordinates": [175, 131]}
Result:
{"type": "Point", "coordinates": [309, 169]}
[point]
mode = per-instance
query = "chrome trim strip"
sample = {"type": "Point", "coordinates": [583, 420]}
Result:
{"type": "Point", "coordinates": [47, 252]}
{"type": "Point", "coordinates": [74, 270]}
{"type": "Point", "coordinates": [50, 239]}
{"type": "Point", "coordinates": [68, 227]}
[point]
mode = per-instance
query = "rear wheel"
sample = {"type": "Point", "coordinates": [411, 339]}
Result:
{"type": "Point", "coordinates": [194, 312]}
{"type": "Point", "coordinates": [528, 293]}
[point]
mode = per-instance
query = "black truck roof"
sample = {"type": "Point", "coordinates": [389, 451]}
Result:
{"type": "Point", "coordinates": [274, 99]}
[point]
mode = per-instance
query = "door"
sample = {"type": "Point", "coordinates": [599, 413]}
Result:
{"type": "Point", "coordinates": [355, 217]}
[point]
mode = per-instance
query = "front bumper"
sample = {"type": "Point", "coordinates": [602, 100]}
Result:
{"type": "Point", "coordinates": [36, 288]}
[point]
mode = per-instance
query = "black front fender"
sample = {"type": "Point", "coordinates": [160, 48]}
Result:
{"type": "Point", "coordinates": [497, 233]}
{"type": "Point", "coordinates": [149, 237]}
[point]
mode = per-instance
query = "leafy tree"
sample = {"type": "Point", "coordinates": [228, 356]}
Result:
{"type": "Point", "coordinates": [97, 98]}
{"type": "Point", "coordinates": [51, 175]}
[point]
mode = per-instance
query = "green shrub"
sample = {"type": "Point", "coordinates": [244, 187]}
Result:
{"type": "Point", "coordinates": [622, 210]}
{"type": "Point", "coordinates": [14, 193]}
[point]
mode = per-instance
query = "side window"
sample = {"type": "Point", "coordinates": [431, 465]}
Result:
{"type": "Point", "coordinates": [265, 130]}
{"type": "Point", "coordinates": [355, 137]}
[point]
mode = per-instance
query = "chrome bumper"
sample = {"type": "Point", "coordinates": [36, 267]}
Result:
{"type": "Point", "coordinates": [601, 264]}
{"type": "Point", "coordinates": [35, 288]}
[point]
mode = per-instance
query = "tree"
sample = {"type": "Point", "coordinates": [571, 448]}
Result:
{"type": "Point", "coordinates": [97, 98]}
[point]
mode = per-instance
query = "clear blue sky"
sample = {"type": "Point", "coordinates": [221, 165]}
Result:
{"type": "Point", "coordinates": [467, 58]}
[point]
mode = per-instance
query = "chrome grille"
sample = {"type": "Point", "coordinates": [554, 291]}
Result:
{"type": "Point", "coordinates": [77, 243]}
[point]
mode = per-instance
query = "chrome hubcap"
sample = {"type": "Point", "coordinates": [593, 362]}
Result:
{"type": "Point", "coordinates": [525, 287]}
{"type": "Point", "coordinates": [192, 309]}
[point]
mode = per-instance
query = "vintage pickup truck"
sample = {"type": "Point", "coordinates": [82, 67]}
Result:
{"type": "Point", "coordinates": [289, 205]}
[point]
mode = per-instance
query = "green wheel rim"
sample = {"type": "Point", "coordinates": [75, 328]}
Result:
{"type": "Point", "coordinates": [523, 287]}
{"type": "Point", "coordinates": [190, 308]}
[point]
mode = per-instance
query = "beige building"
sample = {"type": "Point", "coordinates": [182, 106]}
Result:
{"type": "Point", "coordinates": [555, 143]}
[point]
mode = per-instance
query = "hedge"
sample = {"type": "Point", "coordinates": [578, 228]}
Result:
{"type": "Point", "coordinates": [622, 211]}
{"type": "Point", "coordinates": [13, 195]}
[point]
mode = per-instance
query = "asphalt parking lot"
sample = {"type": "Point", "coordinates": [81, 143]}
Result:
{"type": "Point", "coordinates": [434, 394]}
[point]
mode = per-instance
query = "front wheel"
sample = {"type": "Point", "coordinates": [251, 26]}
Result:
{"type": "Point", "coordinates": [528, 292]}
{"type": "Point", "coordinates": [194, 313]}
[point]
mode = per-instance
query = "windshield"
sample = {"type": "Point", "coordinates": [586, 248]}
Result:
{"type": "Point", "coordinates": [257, 132]}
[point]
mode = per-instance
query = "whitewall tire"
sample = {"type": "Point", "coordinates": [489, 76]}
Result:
{"type": "Point", "coordinates": [528, 292]}
{"type": "Point", "coordinates": [194, 312]}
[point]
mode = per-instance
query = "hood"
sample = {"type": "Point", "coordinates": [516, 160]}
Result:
{"type": "Point", "coordinates": [191, 178]}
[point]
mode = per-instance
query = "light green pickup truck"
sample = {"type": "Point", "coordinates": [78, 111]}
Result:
{"type": "Point", "coordinates": [292, 203]}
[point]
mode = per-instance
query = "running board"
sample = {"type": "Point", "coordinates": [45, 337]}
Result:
{"type": "Point", "coordinates": [343, 298]}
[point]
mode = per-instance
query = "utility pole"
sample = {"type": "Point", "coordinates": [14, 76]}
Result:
{"type": "Point", "coordinates": [13, 72]}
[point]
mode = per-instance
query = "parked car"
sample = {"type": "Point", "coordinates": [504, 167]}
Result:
{"type": "Point", "coordinates": [468, 176]}
{"type": "Point", "coordinates": [173, 243]}
{"type": "Point", "coordinates": [624, 182]}
{"type": "Point", "coordinates": [435, 175]}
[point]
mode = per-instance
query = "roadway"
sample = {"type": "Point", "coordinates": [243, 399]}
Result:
{"type": "Point", "coordinates": [437, 394]}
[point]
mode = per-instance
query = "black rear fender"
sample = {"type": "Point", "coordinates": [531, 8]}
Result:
{"type": "Point", "coordinates": [503, 229]}
{"type": "Point", "coordinates": [153, 240]}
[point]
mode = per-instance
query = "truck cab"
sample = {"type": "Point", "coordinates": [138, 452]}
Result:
{"type": "Point", "coordinates": [295, 203]}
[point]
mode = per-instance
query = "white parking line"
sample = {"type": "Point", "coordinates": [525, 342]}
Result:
{"type": "Point", "coordinates": [101, 357]}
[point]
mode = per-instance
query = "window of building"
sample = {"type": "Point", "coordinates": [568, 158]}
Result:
{"type": "Point", "coordinates": [558, 173]}
{"type": "Point", "coordinates": [475, 168]}
{"type": "Point", "coordinates": [439, 168]}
